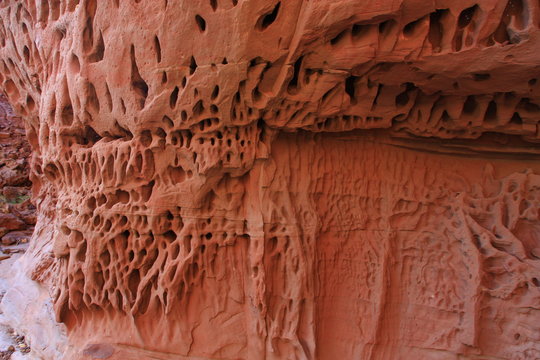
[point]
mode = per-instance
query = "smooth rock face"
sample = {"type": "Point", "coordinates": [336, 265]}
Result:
{"type": "Point", "coordinates": [283, 179]}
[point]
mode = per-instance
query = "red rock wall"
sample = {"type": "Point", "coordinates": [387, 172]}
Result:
{"type": "Point", "coordinates": [17, 213]}
{"type": "Point", "coordinates": [284, 180]}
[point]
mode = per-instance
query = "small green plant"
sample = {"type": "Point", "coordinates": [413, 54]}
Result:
{"type": "Point", "coordinates": [17, 200]}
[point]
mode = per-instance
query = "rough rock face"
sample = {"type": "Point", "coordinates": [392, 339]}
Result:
{"type": "Point", "coordinates": [283, 179]}
{"type": "Point", "coordinates": [17, 214]}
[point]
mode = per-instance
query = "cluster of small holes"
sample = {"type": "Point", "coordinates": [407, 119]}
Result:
{"type": "Point", "coordinates": [434, 27]}
{"type": "Point", "coordinates": [200, 131]}
{"type": "Point", "coordinates": [154, 250]}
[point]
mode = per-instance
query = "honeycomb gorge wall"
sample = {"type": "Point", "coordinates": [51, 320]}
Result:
{"type": "Point", "coordinates": [245, 179]}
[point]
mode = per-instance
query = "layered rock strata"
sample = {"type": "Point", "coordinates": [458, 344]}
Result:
{"type": "Point", "coordinates": [283, 179]}
{"type": "Point", "coordinates": [17, 213]}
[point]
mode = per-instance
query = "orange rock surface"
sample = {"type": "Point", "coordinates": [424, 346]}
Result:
{"type": "Point", "coordinates": [245, 179]}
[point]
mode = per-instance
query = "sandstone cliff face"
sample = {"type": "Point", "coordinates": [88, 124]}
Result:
{"type": "Point", "coordinates": [283, 179]}
{"type": "Point", "coordinates": [17, 214]}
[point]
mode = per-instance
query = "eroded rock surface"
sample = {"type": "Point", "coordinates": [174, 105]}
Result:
{"type": "Point", "coordinates": [17, 213]}
{"type": "Point", "coordinates": [283, 179]}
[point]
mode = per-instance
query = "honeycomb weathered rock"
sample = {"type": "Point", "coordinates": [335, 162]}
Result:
{"type": "Point", "coordinates": [284, 179]}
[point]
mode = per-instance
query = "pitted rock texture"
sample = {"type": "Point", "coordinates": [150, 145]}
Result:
{"type": "Point", "coordinates": [284, 179]}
